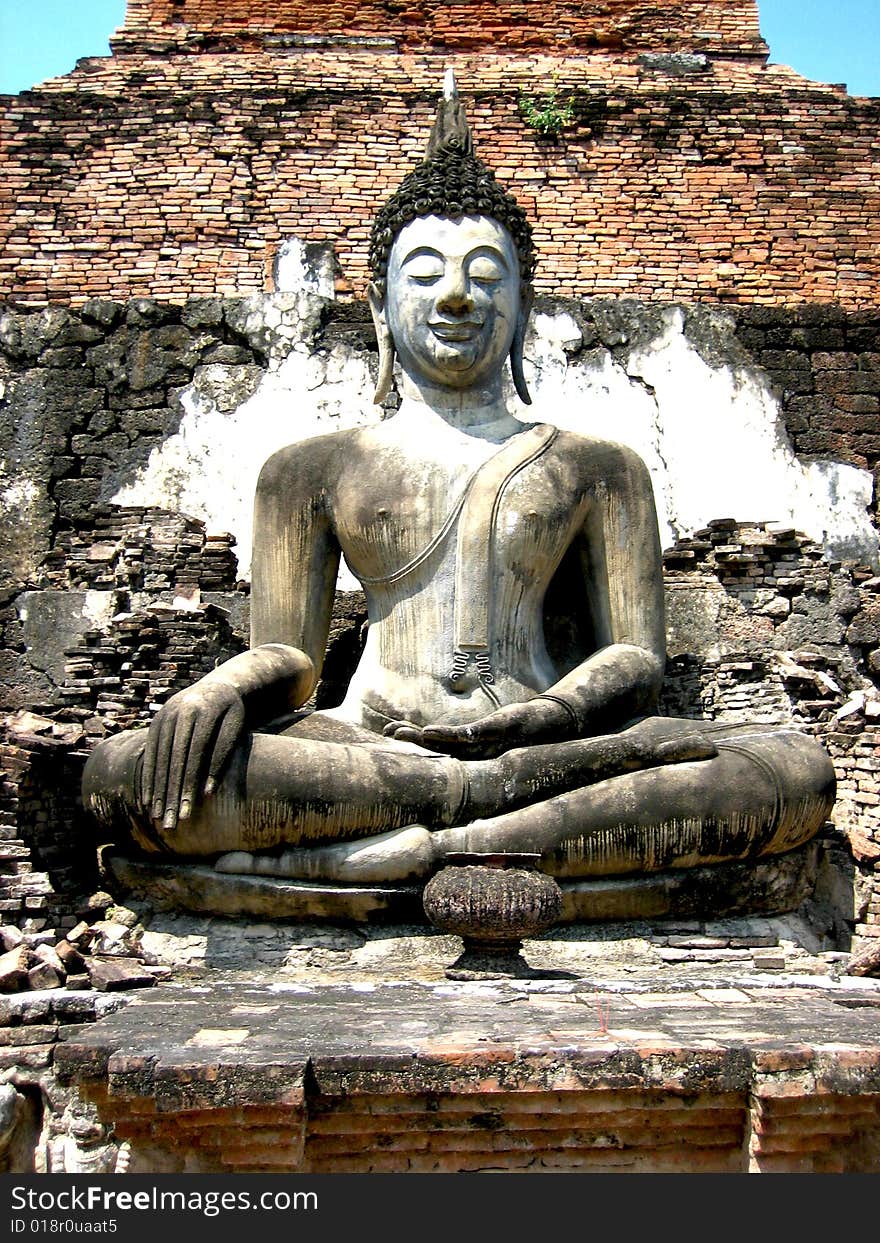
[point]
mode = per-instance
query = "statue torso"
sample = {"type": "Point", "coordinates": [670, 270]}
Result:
{"type": "Point", "coordinates": [392, 498]}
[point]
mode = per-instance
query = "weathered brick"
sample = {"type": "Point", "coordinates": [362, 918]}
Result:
{"type": "Point", "coordinates": [693, 192]}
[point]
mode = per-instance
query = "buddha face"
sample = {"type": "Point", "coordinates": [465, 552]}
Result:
{"type": "Point", "coordinates": [453, 299]}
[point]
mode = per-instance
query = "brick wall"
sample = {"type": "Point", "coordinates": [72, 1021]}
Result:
{"type": "Point", "coordinates": [728, 25]}
{"type": "Point", "coordinates": [47, 853]}
{"type": "Point", "coordinates": [797, 640]}
{"type": "Point", "coordinates": [716, 180]}
{"type": "Point", "coordinates": [825, 368]}
{"type": "Point", "coordinates": [628, 1100]}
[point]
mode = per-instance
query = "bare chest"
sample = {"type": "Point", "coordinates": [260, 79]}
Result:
{"type": "Point", "coordinates": [411, 513]}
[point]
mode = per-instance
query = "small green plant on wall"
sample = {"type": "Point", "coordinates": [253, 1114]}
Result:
{"type": "Point", "coordinates": [546, 114]}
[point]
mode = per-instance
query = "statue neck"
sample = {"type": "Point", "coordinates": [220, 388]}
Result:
{"type": "Point", "coordinates": [481, 412]}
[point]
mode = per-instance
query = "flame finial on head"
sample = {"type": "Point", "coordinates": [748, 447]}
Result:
{"type": "Point", "coordinates": [451, 129]}
{"type": "Point", "coordinates": [450, 181]}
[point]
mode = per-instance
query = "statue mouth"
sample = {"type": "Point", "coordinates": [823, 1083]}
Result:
{"type": "Point", "coordinates": [465, 331]}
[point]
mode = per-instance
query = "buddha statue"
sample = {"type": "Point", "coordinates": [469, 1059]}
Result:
{"type": "Point", "coordinates": [506, 699]}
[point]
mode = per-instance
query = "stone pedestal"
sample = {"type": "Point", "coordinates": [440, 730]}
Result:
{"type": "Point", "coordinates": [769, 886]}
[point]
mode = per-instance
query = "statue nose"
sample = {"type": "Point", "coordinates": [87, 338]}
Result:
{"type": "Point", "coordinates": [455, 298]}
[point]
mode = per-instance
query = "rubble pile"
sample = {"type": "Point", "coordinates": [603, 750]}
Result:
{"type": "Point", "coordinates": [101, 952]}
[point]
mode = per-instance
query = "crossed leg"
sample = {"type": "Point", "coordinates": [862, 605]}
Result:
{"type": "Point", "coordinates": [764, 792]}
{"type": "Point", "coordinates": [664, 793]}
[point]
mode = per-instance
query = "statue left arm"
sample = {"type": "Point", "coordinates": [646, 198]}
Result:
{"type": "Point", "coordinates": [623, 575]}
{"type": "Point", "coordinates": [621, 680]}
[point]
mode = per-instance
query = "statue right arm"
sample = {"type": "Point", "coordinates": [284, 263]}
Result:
{"type": "Point", "coordinates": [295, 562]}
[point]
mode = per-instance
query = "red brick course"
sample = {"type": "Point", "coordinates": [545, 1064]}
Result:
{"type": "Point", "coordinates": [597, 1131]}
{"type": "Point", "coordinates": [707, 25]}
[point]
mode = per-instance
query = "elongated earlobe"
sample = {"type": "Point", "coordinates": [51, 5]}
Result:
{"type": "Point", "coordinates": [386, 344]}
{"type": "Point", "coordinates": [517, 346]}
{"type": "Point", "coordinates": [386, 368]}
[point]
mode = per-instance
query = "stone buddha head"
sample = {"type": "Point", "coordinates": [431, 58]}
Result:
{"type": "Point", "coordinates": [452, 259]}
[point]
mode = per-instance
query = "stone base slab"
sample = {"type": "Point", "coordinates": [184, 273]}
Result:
{"type": "Point", "coordinates": [261, 1076]}
{"type": "Point", "coordinates": [767, 886]}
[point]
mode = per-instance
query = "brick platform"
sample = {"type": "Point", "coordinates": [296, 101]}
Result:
{"type": "Point", "coordinates": [251, 1074]}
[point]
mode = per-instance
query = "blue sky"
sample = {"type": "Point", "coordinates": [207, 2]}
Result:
{"type": "Point", "coordinates": [827, 40]}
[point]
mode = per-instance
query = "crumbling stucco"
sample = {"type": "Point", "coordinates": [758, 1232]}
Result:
{"type": "Point", "coordinates": [709, 427]}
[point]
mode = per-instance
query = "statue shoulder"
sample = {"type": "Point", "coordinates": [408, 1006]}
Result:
{"type": "Point", "coordinates": [311, 464]}
{"type": "Point", "coordinates": [608, 458]}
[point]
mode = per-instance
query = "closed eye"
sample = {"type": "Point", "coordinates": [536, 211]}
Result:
{"type": "Point", "coordinates": [485, 273]}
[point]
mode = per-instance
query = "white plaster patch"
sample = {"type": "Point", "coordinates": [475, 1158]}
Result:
{"type": "Point", "coordinates": [99, 607]}
{"type": "Point", "coordinates": [209, 467]}
{"type": "Point", "coordinates": [300, 268]}
{"type": "Point", "coordinates": [712, 437]}
{"type": "Point", "coordinates": [843, 494]}
{"type": "Point", "coordinates": [559, 331]}
{"type": "Point", "coordinates": [19, 493]}
{"type": "Point", "coordinates": [601, 400]}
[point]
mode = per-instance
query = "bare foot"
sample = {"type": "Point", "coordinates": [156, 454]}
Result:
{"type": "Point", "coordinates": [401, 854]}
